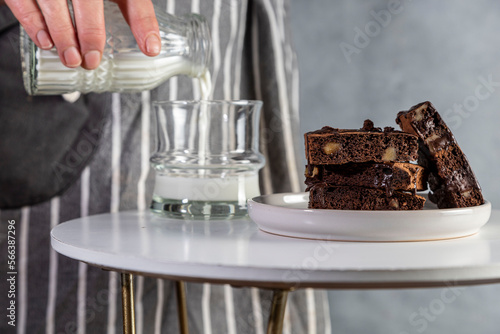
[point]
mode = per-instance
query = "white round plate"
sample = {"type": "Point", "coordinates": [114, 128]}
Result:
{"type": "Point", "coordinates": [287, 214]}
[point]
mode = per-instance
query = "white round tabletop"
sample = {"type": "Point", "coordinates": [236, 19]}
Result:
{"type": "Point", "coordinates": [237, 252]}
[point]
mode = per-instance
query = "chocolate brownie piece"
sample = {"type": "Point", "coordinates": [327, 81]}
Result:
{"type": "Point", "coordinates": [322, 196]}
{"type": "Point", "coordinates": [388, 176]}
{"type": "Point", "coordinates": [340, 146]}
{"type": "Point", "coordinates": [451, 179]}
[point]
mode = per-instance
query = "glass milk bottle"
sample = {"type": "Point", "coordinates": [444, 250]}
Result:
{"type": "Point", "coordinates": [185, 50]}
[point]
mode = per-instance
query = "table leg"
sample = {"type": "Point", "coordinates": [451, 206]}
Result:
{"type": "Point", "coordinates": [128, 303]}
{"type": "Point", "coordinates": [182, 307]}
{"type": "Point", "coordinates": [275, 323]}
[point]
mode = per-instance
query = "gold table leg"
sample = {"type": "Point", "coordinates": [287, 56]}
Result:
{"type": "Point", "coordinates": [275, 323]}
{"type": "Point", "coordinates": [128, 303]}
{"type": "Point", "coordinates": [182, 307]}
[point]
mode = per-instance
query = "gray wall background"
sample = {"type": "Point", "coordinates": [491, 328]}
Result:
{"type": "Point", "coordinates": [447, 52]}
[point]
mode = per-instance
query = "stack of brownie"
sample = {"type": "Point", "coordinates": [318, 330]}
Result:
{"type": "Point", "coordinates": [366, 169]}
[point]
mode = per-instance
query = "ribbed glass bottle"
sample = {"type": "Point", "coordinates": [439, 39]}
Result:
{"type": "Point", "coordinates": [186, 47]}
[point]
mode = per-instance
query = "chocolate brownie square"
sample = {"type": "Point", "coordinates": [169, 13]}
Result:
{"type": "Point", "coordinates": [340, 146]}
{"type": "Point", "coordinates": [322, 196]}
{"type": "Point", "coordinates": [387, 176]}
{"type": "Point", "coordinates": [451, 179]}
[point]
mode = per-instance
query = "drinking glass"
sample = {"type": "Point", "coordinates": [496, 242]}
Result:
{"type": "Point", "coordinates": [207, 158]}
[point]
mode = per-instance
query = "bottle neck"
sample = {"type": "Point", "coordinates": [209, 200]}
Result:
{"type": "Point", "coordinates": [187, 36]}
{"type": "Point", "coordinates": [200, 44]}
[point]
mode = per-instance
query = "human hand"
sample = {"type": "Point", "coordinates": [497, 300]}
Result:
{"type": "Point", "coordinates": [48, 23]}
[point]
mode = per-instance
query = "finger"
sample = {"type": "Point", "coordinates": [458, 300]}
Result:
{"type": "Point", "coordinates": [89, 19]}
{"type": "Point", "coordinates": [141, 17]}
{"type": "Point", "coordinates": [62, 31]}
{"type": "Point", "coordinates": [30, 17]}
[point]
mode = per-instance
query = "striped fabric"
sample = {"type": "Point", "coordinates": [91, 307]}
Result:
{"type": "Point", "coordinates": [252, 59]}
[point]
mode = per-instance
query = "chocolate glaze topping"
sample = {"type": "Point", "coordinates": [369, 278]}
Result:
{"type": "Point", "coordinates": [387, 176]}
{"type": "Point", "coordinates": [368, 126]}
